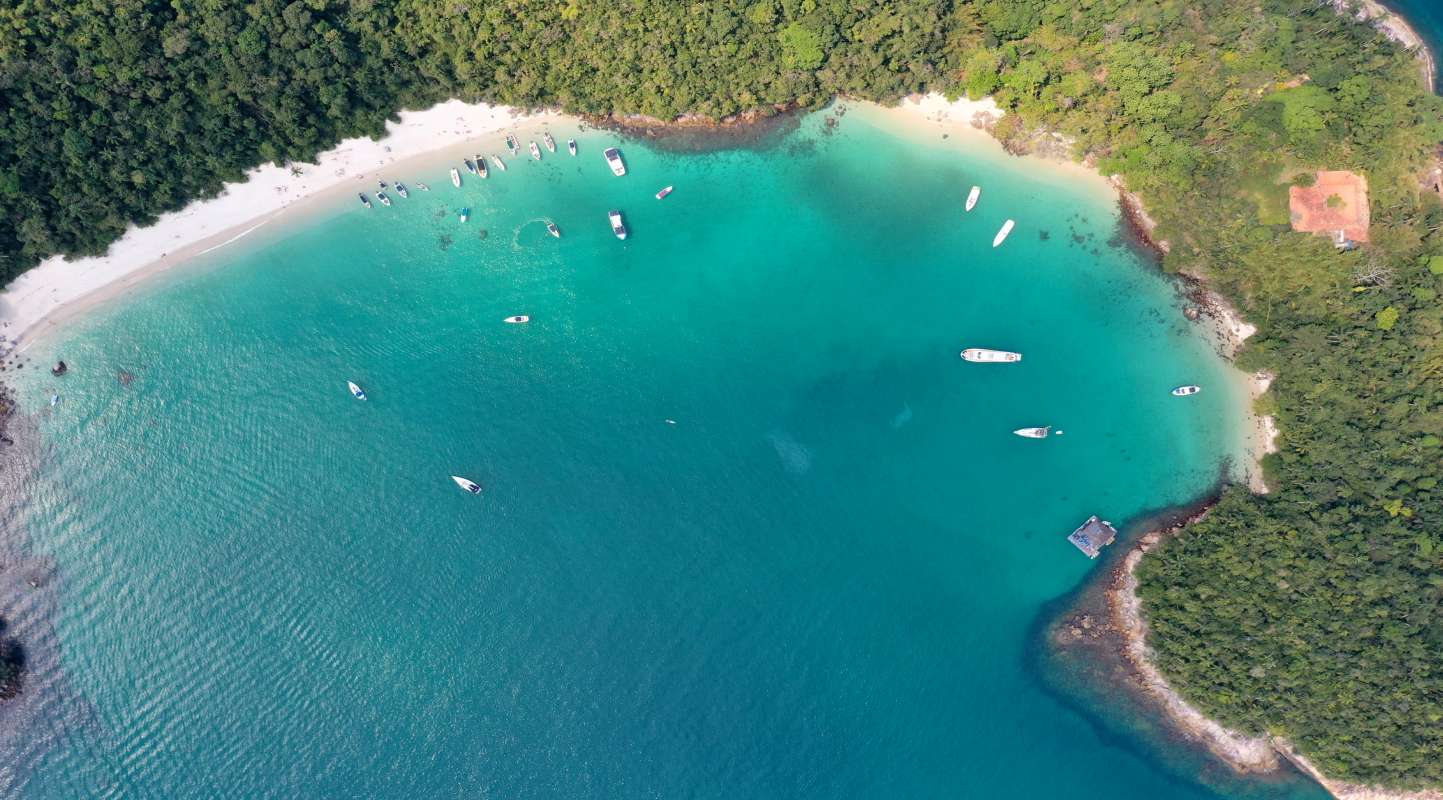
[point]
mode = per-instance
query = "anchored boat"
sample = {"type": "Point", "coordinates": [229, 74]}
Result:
{"type": "Point", "coordinates": [972, 198]}
{"type": "Point", "coordinates": [1033, 433]}
{"type": "Point", "coordinates": [481, 166]}
{"type": "Point", "coordinates": [401, 190]}
{"type": "Point", "coordinates": [981, 356]}
{"type": "Point", "coordinates": [613, 159]}
{"type": "Point", "coordinates": [571, 145]}
{"type": "Point", "coordinates": [550, 142]}
{"type": "Point", "coordinates": [616, 226]}
{"type": "Point", "coordinates": [356, 390]}
{"type": "Point", "coordinates": [1183, 391]}
{"type": "Point", "coordinates": [663, 193]}
{"type": "Point", "coordinates": [467, 485]}
{"type": "Point", "coordinates": [424, 187]}
{"type": "Point", "coordinates": [1002, 234]}
{"type": "Point", "coordinates": [522, 318]}
{"type": "Point", "coordinates": [465, 212]}
{"type": "Point", "coordinates": [535, 151]}
{"type": "Point", "coordinates": [383, 198]}
{"type": "Point", "coordinates": [499, 164]}
{"type": "Point", "coordinates": [456, 178]}
{"type": "Point", "coordinates": [365, 202]}
{"type": "Point", "coordinates": [471, 168]}
{"type": "Point", "coordinates": [512, 144]}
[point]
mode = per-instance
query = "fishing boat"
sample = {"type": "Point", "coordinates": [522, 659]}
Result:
{"type": "Point", "coordinates": [571, 145]}
{"type": "Point", "coordinates": [518, 319]}
{"type": "Point", "coordinates": [613, 159]}
{"type": "Point", "coordinates": [467, 485]}
{"type": "Point", "coordinates": [499, 163]}
{"type": "Point", "coordinates": [550, 142]}
{"type": "Point", "coordinates": [1002, 234]}
{"type": "Point", "coordinates": [616, 226]}
{"type": "Point", "coordinates": [535, 151]}
{"type": "Point", "coordinates": [981, 356]}
{"type": "Point", "coordinates": [972, 198]}
{"type": "Point", "coordinates": [465, 212]}
{"type": "Point", "coordinates": [424, 187]}
{"type": "Point", "coordinates": [365, 201]}
{"type": "Point", "coordinates": [663, 193]}
{"type": "Point", "coordinates": [555, 231]}
{"type": "Point", "coordinates": [512, 144]}
{"type": "Point", "coordinates": [356, 390]}
{"type": "Point", "coordinates": [383, 198]}
{"type": "Point", "coordinates": [471, 168]}
{"type": "Point", "coordinates": [1033, 433]}
{"type": "Point", "coordinates": [456, 178]}
{"type": "Point", "coordinates": [481, 166]}
{"type": "Point", "coordinates": [1183, 391]}
{"type": "Point", "coordinates": [401, 190]}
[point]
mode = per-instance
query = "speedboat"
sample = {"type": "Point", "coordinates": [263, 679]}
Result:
{"type": "Point", "coordinates": [522, 318]}
{"type": "Point", "coordinates": [1002, 234]}
{"type": "Point", "coordinates": [497, 161]}
{"type": "Point", "coordinates": [972, 198]}
{"type": "Point", "coordinates": [1033, 433]}
{"type": "Point", "coordinates": [571, 145]}
{"type": "Point", "coordinates": [616, 226]}
{"type": "Point", "coordinates": [512, 144]}
{"type": "Point", "coordinates": [613, 159]}
{"type": "Point", "coordinates": [401, 190]}
{"type": "Point", "coordinates": [981, 356]}
{"type": "Point", "coordinates": [384, 185]}
{"type": "Point", "coordinates": [424, 187]}
{"type": "Point", "coordinates": [465, 212]}
{"type": "Point", "coordinates": [1183, 391]}
{"type": "Point", "coordinates": [365, 201]}
{"type": "Point", "coordinates": [356, 390]}
{"type": "Point", "coordinates": [456, 178]}
{"type": "Point", "coordinates": [555, 231]}
{"type": "Point", "coordinates": [550, 142]}
{"type": "Point", "coordinates": [535, 151]}
{"type": "Point", "coordinates": [471, 168]}
{"type": "Point", "coordinates": [467, 485]}
{"type": "Point", "coordinates": [663, 193]}
{"type": "Point", "coordinates": [383, 198]}
{"type": "Point", "coordinates": [481, 166]}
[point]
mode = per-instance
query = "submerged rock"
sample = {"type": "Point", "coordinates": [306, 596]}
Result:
{"type": "Point", "coordinates": [59, 369]}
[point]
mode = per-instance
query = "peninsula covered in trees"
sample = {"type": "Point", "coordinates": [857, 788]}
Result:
{"type": "Point", "coordinates": [1312, 612]}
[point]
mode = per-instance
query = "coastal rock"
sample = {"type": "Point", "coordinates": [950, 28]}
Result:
{"type": "Point", "coordinates": [59, 369]}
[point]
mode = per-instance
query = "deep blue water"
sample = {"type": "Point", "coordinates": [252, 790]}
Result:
{"type": "Point", "coordinates": [1426, 17]}
{"type": "Point", "coordinates": [750, 527]}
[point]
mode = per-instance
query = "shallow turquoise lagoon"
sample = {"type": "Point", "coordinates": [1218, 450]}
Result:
{"type": "Point", "coordinates": [751, 528]}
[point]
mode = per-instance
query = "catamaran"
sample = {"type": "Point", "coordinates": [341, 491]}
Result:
{"type": "Point", "coordinates": [1183, 391]}
{"type": "Point", "coordinates": [616, 226]}
{"type": "Point", "coordinates": [613, 159]}
{"type": "Point", "coordinates": [471, 168]}
{"type": "Point", "coordinates": [571, 145]}
{"type": "Point", "coordinates": [383, 198]}
{"type": "Point", "coordinates": [663, 193]}
{"type": "Point", "coordinates": [456, 178]}
{"type": "Point", "coordinates": [356, 390]}
{"type": "Point", "coordinates": [512, 144]}
{"type": "Point", "coordinates": [467, 485]}
{"type": "Point", "coordinates": [555, 231]}
{"type": "Point", "coordinates": [1033, 433]}
{"type": "Point", "coordinates": [550, 142]}
{"type": "Point", "coordinates": [522, 318]}
{"type": "Point", "coordinates": [1002, 234]}
{"type": "Point", "coordinates": [972, 198]}
{"type": "Point", "coordinates": [981, 356]}
{"type": "Point", "coordinates": [535, 151]}
{"type": "Point", "coordinates": [365, 201]}
{"type": "Point", "coordinates": [465, 212]}
{"type": "Point", "coordinates": [501, 165]}
{"type": "Point", "coordinates": [401, 190]}
{"type": "Point", "coordinates": [481, 166]}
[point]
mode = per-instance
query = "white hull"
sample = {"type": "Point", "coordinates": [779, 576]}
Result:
{"type": "Point", "coordinates": [518, 319]}
{"type": "Point", "coordinates": [1033, 433]}
{"type": "Point", "coordinates": [383, 198]}
{"type": "Point", "coordinates": [465, 212]}
{"type": "Point", "coordinates": [356, 391]}
{"type": "Point", "coordinates": [467, 485]}
{"type": "Point", "coordinates": [535, 151]}
{"type": "Point", "coordinates": [512, 144]}
{"type": "Point", "coordinates": [571, 145]}
{"type": "Point", "coordinates": [613, 159]}
{"type": "Point", "coordinates": [1002, 234]}
{"type": "Point", "coordinates": [663, 193]}
{"type": "Point", "coordinates": [456, 178]}
{"type": "Point", "coordinates": [1184, 391]}
{"type": "Point", "coordinates": [617, 227]}
{"type": "Point", "coordinates": [555, 231]}
{"type": "Point", "coordinates": [550, 142]}
{"type": "Point", "coordinates": [972, 198]}
{"type": "Point", "coordinates": [497, 161]}
{"type": "Point", "coordinates": [480, 166]}
{"type": "Point", "coordinates": [981, 356]}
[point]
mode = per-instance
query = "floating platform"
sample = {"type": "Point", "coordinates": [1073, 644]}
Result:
{"type": "Point", "coordinates": [1094, 535]}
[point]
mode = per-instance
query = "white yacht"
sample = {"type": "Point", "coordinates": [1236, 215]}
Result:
{"type": "Point", "coordinates": [1033, 433]}
{"type": "Point", "coordinates": [456, 177]}
{"type": "Point", "coordinates": [616, 226]}
{"type": "Point", "coordinates": [613, 159]}
{"type": "Point", "coordinates": [467, 485]}
{"type": "Point", "coordinates": [981, 356]}
{"type": "Point", "coordinates": [972, 198]}
{"type": "Point", "coordinates": [522, 318]}
{"type": "Point", "coordinates": [1002, 234]}
{"type": "Point", "coordinates": [555, 231]}
{"type": "Point", "coordinates": [1183, 391]}
{"type": "Point", "coordinates": [356, 390]}
{"type": "Point", "coordinates": [571, 145]}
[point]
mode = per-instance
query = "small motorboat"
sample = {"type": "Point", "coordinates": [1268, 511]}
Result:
{"type": "Point", "coordinates": [499, 163]}
{"type": "Point", "coordinates": [54, 398]}
{"type": "Point", "coordinates": [401, 190]}
{"type": "Point", "coordinates": [465, 212]}
{"type": "Point", "coordinates": [571, 145]}
{"type": "Point", "coordinates": [1002, 234]}
{"type": "Point", "coordinates": [356, 390]}
{"type": "Point", "coordinates": [481, 166]}
{"type": "Point", "coordinates": [535, 151]}
{"type": "Point", "coordinates": [972, 198]}
{"type": "Point", "coordinates": [471, 168]}
{"type": "Point", "coordinates": [1033, 433]}
{"type": "Point", "coordinates": [981, 356]}
{"type": "Point", "coordinates": [383, 198]}
{"type": "Point", "coordinates": [365, 201]}
{"type": "Point", "coordinates": [512, 144]}
{"type": "Point", "coordinates": [1183, 391]}
{"type": "Point", "coordinates": [550, 142]}
{"type": "Point", "coordinates": [384, 185]}
{"type": "Point", "coordinates": [456, 178]}
{"type": "Point", "coordinates": [616, 226]}
{"type": "Point", "coordinates": [613, 159]}
{"type": "Point", "coordinates": [522, 318]}
{"type": "Point", "coordinates": [467, 485]}
{"type": "Point", "coordinates": [555, 231]}
{"type": "Point", "coordinates": [663, 193]}
{"type": "Point", "coordinates": [424, 187]}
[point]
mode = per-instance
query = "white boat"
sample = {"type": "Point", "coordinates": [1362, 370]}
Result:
{"type": "Point", "coordinates": [467, 485]}
{"type": "Point", "coordinates": [571, 145]}
{"type": "Point", "coordinates": [535, 151]}
{"type": "Point", "coordinates": [1002, 234]}
{"type": "Point", "coordinates": [1033, 433]}
{"type": "Point", "coordinates": [356, 390]}
{"type": "Point", "coordinates": [613, 159]}
{"type": "Point", "coordinates": [512, 144]}
{"type": "Point", "coordinates": [522, 318]}
{"type": "Point", "coordinates": [481, 166]}
{"type": "Point", "coordinates": [972, 198]}
{"type": "Point", "coordinates": [465, 212]}
{"type": "Point", "coordinates": [54, 398]}
{"type": "Point", "coordinates": [401, 190]}
{"type": "Point", "coordinates": [981, 356]}
{"type": "Point", "coordinates": [499, 164]}
{"type": "Point", "coordinates": [555, 231]}
{"type": "Point", "coordinates": [1183, 391]}
{"type": "Point", "coordinates": [550, 142]}
{"type": "Point", "coordinates": [365, 201]}
{"type": "Point", "coordinates": [456, 178]}
{"type": "Point", "coordinates": [383, 198]}
{"type": "Point", "coordinates": [616, 226]}
{"type": "Point", "coordinates": [424, 187]}
{"type": "Point", "coordinates": [663, 193]}
{"type": "Point", "coordinates": [384, 185]}
{"type": "Point", "coordinates": [471, 168]}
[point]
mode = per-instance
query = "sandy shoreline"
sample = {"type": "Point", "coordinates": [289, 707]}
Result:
{"type": "Point", "coordinates": [1395, 28]}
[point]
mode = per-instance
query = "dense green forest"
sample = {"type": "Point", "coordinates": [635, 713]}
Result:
{"type": "Point", "coordinates": [1312, 612]}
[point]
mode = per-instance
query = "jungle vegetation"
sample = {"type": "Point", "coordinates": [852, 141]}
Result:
{"type": "Point", "coordinates": [1311, 612]}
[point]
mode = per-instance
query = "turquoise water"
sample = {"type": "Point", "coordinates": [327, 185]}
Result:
{"type": "Point", "coordinates": [750, 527]}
